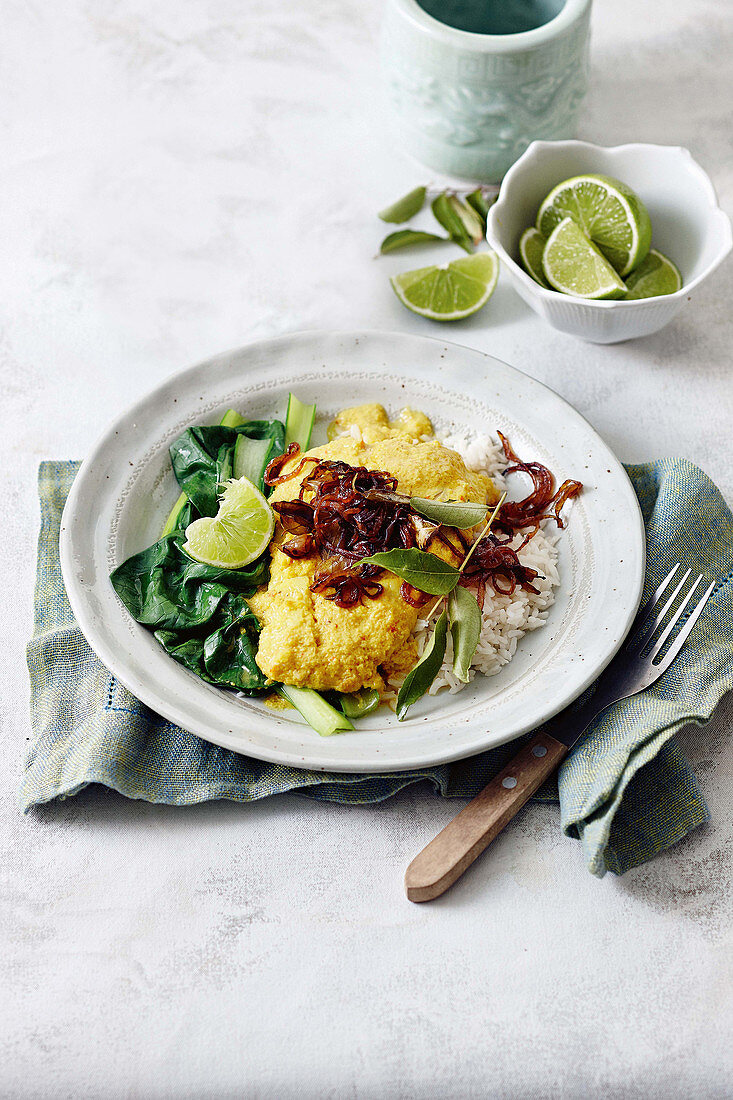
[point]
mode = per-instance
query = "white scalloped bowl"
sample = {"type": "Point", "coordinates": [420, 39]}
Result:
{"type": "Point", "coordinates": [687, 225]}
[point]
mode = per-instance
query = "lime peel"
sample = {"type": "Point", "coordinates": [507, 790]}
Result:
{"type": "Point", "coordinates": [238, 534]}
{"type": "Point", "coordinates": [573, 265]}
{"type": "Point", "coordinates": [609, 213]}
{"type": "Point", "coordinates": [452, 292]}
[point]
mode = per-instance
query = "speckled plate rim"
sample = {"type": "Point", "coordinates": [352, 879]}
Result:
{"type": "Point", "coordinates": [124, 489]}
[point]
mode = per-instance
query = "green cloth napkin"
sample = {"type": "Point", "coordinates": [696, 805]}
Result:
{"type": "Point", "coordinates": [625, 791]}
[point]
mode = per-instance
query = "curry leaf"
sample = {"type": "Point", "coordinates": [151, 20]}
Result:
{"type": "Point", "coordinates": [405, 208]}
{"type": "Point", "coordinates": [465, 628]}
{"type": "Point", "coordinates": [419, 568]}
{"type": "Point", "coordinates": [404, 238]}
{"type": "Point", "coordinates": [445, 213]}
{"type": "Point", "coordinates": [473, 223]}
{"type": "Point", "coordinates": [419, 678]}
{"type": "Point", "coordinates": [481, 200]}
{"type": "Point", "coordinates": [453, 513]}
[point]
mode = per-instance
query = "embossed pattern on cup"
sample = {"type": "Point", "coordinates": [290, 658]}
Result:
{"type": "Point", "coordinates": [469, 104]}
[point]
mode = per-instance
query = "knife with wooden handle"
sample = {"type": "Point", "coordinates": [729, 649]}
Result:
{"type": "Point", "coordinates": [464, 838]}
{"type": "Point", "coordinates": [637, 665]}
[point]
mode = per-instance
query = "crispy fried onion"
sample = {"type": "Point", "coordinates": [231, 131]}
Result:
{"type": "Point", "coordinates": [345, 513]}
{"type": "Point", "coordinates": [342, 514]}
{"type": "Point", "coordinates": [494, 561]}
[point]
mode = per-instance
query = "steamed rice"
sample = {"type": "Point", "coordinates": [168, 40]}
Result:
{"type": "Point", "coordinates": [505, 619]}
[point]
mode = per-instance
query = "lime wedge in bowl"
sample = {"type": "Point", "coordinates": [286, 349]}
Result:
{"type": "Point", "coordinates": [654, 276]}
{"type": "Point", "coordinates": [238, 534]}
{"type": "Point", "coordinates": [609, 213]}
{"type": "Point", "coordinates": [531, 247]}
{"type": "Point", "coordinates": [573, 265]}
{"type": "Point", "coordinates": [449, 293]}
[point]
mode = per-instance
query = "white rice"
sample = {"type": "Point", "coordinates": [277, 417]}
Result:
{"type": "Point", "coordinates": [505, 619]}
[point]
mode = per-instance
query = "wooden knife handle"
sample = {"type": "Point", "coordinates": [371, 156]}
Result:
{"type": "Point", "coordinates": [464, 838]}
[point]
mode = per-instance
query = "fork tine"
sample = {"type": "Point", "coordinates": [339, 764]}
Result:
{"type": "Point", "coordinates": [648, 607]}
{"type": "Point", "coordinates": [648, 626]}
{"type": "Point", "coordinates": [656, 647]}
{"type": "Point", "coordinates": [684, 633]}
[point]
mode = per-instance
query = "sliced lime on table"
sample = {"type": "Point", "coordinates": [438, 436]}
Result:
{"type": "Point", "coordinates": [609, 213]}
{"type": "Point", "coordinates": [573, 265]}
{"type": "Point", "coordinates": [531, 247]}
{"type": "Point", "coordinates": [238, 534]}
{"type": "Point", "coordinates": [449, 293]}
{"type": "Point", "coordinates": [654, 276]}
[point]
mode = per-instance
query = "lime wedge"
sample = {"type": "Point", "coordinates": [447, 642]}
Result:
{"type": "Point", "coordinates": [573, 265]}
{"type": "Point", "coordinates": [449, 293]}
{"type": "Point", "coordinates": [655, 275]}
{"type": "Point", "coordinates": [609, 213]}
{"type": "Point", "coordinates": [531, 247]}
{"type": "Point", "coordinates": [238, 534]}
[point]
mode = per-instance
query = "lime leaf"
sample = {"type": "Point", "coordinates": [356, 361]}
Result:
{"type": "Point", "coordinates": [445, 213]}
{"type": "Point", "coordinates": [419, 678]}
{"type": "Point", "coordinates": [404, 238]}
{"type": "Point", "coordinates": [482, 200]}
{"type": "Point", "coordinates": [405, 208]}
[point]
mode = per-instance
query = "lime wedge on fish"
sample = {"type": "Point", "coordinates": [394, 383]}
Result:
{"type": "Point", "coordinates": [238, 534]}
{"type": "Point", "coordinates": [609, 213]}
{"type": "Point", "coordinates": [655, 275]}
{"type": "Point", "coordinates": [449, 293]}
{"type": "Point", "coordinates": [573, 265]}
{"type": "Point", "coordinates": [531, 247]}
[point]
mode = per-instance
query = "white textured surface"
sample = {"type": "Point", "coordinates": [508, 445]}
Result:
{"type": "Point", "coordinates": [177, 179]}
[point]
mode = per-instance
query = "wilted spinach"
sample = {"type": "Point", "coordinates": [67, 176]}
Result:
{"type": "Point", "coordinates": [198, 612]}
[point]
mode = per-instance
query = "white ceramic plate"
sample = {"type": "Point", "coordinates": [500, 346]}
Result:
{"type": "Point", "coordinates": [125, 489]}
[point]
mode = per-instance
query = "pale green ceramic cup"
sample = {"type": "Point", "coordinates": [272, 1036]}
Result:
{"type": "Point", "coordinates": [468, 103]}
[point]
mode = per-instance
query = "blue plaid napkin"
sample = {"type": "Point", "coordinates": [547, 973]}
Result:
{"type": "Point", "coordinates": [625, 792]}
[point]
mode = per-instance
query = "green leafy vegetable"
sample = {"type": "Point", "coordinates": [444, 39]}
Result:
{"type": "Point", "coordinates": [299, 422]}
{"type": "Point", "coordinates": [422, 570]}
{"type": "Point", "coordinates": [404, 238]}
{"type": "Point", "coordinates": [223, 651]}
{"type": "Point", "coordinates": [162, 587]}
{"type": "Point", "coordinates": [230, 419]}
{"type": "Point", "coordinates": [251, 457]}
{"type": "Point", "coordinates": [355, 704]}
{"type": "Point", "coordinates": [481, 201]}
{"type": "Point", "coordinates": [203, 458]}
{"type": "Point", "coordinates": [453, 513]}
{"type": "Point", "coordinates": [465, 628]}
{"type": "Point", "coordinates": [419, 678]}
{"type": "Point", "coordinates": [405, 208]}
{"type": "Point", "coordinates": [445, 212]}
{"type": "Point", "coordinates": [318, 713]}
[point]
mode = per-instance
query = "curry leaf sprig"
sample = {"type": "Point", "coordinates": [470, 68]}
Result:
{"type": "Point", "coordinates": [429, 573]}
{"type": "Point", "coordinates": [463, 216]}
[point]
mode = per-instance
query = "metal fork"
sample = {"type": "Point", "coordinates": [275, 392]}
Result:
{"type": "Point", "coordinates": [641, 660]}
